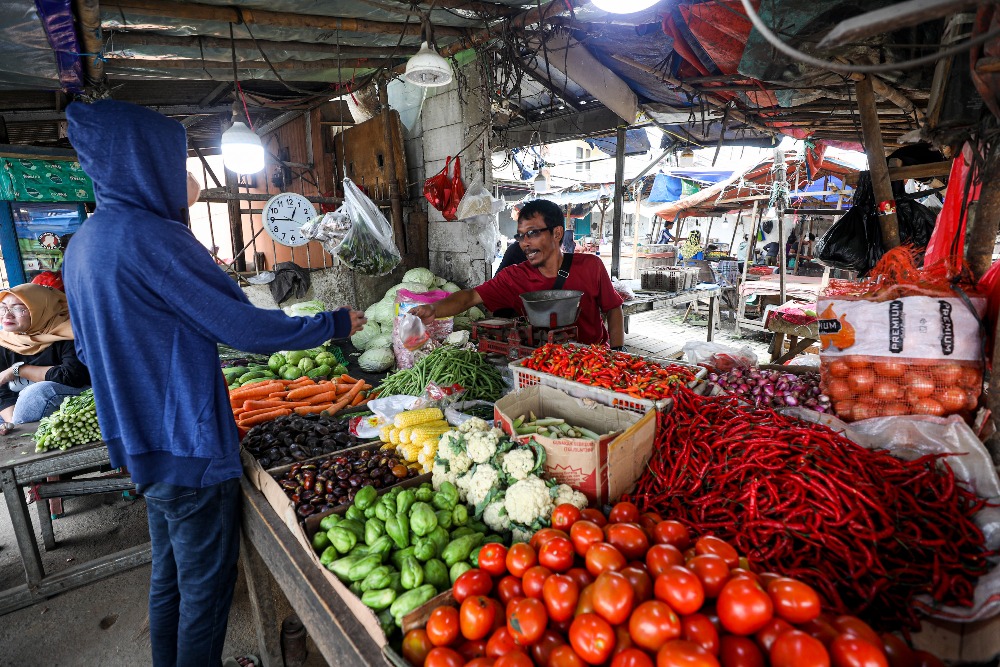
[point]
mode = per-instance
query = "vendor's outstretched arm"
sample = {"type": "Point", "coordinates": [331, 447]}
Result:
{"type": "Point", "coordinates": [453, 304]}
{"type": "Point", "coordinates": [616, 327]}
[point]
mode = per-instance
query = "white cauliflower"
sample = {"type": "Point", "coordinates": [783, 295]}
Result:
{"type": "Point", "coordinates": [483, 480]}
{"type": "Point", "coordinates": [482, 445]}
{"type": "Point", "coordinates": [528, 500]}
{"type": "Point", "coordinates": [450, 444]}
{"type": "Point", "coordinates": [564, 493]}
{"type": "Point", "coordinates": [473, 425]}
{"type": "Point", "coordinates": [463, 484]}
{"type": "Point", "coordinates": [496, 517]}
{"type": "Point", "coordinates": [440, 474]}
{"type": "Point", "coordinates": [518, 463]}
{"type": "Point", "coordinates": [521, 534]}
{"type": "Point", "coordinates": [460, 463]}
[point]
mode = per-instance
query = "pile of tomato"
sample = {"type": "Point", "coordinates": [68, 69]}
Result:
{"type": "Point", "coordinates": [631, 590]}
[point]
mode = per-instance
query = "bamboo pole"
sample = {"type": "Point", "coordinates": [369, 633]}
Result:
{"type": "Point", "coordinates": [877, 164]}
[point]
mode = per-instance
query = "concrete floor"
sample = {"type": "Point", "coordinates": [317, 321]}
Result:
{"type": "Point", "coordinates": [105, 624]}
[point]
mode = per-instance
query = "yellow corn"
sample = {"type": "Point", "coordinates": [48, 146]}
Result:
{"type": "Point", "coordinates": [394, 436]}
{"type": "Point", "coordinates": [404, 434]}
{"type": "Point", "coordinates": [414, 417]}
{"type": "Point", "coordinates": [427, 431]}
{"type": "Point", "coordinates": [387, 447]}
{"type": "Point", "coordinates": [383, 433]}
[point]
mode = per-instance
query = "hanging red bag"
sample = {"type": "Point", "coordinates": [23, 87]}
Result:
{"type": "Point", "coordinates": [437, 188]}
{"type": "Point", "coordinates": [457, 192]}
{"type": "Point", "coordinates": [947, 242]}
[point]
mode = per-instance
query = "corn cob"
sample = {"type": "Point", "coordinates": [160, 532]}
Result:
{"type": "Point", "coordinates": [414, 417]}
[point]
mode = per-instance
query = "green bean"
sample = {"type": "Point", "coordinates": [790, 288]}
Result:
{"type": "Point", "coordinates": [444, 366]}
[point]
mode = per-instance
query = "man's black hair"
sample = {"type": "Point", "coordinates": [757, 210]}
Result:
{"type": "Point", "coordinates": [550, 211]}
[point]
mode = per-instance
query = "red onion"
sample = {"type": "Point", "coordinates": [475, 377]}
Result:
{"type": "Point", "coordinates": [774, 388]}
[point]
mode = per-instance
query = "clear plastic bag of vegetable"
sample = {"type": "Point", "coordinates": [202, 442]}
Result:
{"type": "Point", "coordinates": [329, 229]}
{"type": "Point", "coordinates": [412, 332]}
{"type": "Point", "coordinates": [368, 247]}
{"type": "Point", "coordinates": [476, 201]}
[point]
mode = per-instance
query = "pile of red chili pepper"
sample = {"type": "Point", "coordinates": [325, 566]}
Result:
{"type": "Point", "coordinates": [869, 531]}
{"type": "Point", "coordinates": [599, 366]}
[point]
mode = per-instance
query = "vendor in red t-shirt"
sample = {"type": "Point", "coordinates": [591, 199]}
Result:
{"type": "Point", "coordinates": [540, 229]}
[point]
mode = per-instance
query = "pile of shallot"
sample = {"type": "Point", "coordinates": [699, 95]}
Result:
{"type": "Point", "coordinates": [773, 388]}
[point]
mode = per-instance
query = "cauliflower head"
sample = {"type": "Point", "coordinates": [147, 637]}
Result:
{"type": "Point", "coordinates": [495, 516]}
{"type": "Point", "coordinates": [528, 500]}
{"type": "Point", "coordinates": [440, 473]}
{"type": "Point", "coordinates": [473, 425]}
{"type": "Point", "coordinates": [482, 482]}
{"type": "Point", "coordinates": [518, 463]}
{"type": "Point", "coordinates": [463, 483]}
{"type": "Point", "coordinates": [521, 534]}
{"type": "Point", "coordinates": [482, 445]}
{"type": "Point", "coordinates": [460, 463]}
{"type": "Point", "coordinates": [450, 444]}
{"type": "Point", "coordinates": [564, 493]}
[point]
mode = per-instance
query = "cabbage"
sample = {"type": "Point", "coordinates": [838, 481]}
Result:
{"type": "Point", "coordinates": [438, 282]}
{"type": "Point", "coordinates": [377, 360]}
{"type": "Point", "coordinates": [474, 314]}
{"type": "Point", "coordinates": [390, 293]}
{"type": "Point", "coordinates": [418, 288]}
{"type": "Point", "coordinates": [462, 323]}
{"type": "Point", "coordinates": [305, 308]}
{"type": "Point", "coordinates": [363, 338]}
{"type": "Point", "coordinates": [382, 340]}
{"type": "Point", "coordinates": [419, 275]}
{"type": "Point", "coordinates": [382, 312]}
{"type": "Point", "coordinates": [451, 287]}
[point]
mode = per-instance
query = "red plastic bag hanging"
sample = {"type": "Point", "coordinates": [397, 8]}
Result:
{"type": "Point", "coordinates": [457, 192]}
{"type": "Point", "coordinates": [947, 242]}
{"type": "Point", "coordinates": [437, 188]}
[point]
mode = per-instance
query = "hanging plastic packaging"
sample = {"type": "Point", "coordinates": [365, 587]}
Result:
{"type": "Point", "coordinates": [329, 229]}
{"type": "Point", "coordinates": [368, 247]}
{"type": "Point", "coordinates": [436, 331]}
{"type": "Point", "coordinates": [437, 188]}
{"type": "Point", "coordinates": [457, 192]}
{"type": "Point", "coordinates": [477, 201]}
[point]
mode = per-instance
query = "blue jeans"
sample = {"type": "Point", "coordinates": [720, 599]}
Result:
{"type": "Point", "coordinates": [40, 399]}
{"type": "Point", "coordinates": [195, 535]}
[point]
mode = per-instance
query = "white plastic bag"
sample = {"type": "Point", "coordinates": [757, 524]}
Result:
{"type": "Point", "coordinates": [329, 229]}
{"type": "Point", "coordinates": [368, 247]}
{"type": "Point", "coordinates": [477, 201]}
{"type": "Point", "coordinates": [720, 357]}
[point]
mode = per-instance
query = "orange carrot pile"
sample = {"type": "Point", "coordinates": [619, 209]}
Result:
{"type": "Point", "coordinates": [265, 401]}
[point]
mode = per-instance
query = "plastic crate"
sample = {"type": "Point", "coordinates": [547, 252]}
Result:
{"type": "Point", "coordinates": [663, 279]}
{"type": "Point", "coordinates": [526, 377]}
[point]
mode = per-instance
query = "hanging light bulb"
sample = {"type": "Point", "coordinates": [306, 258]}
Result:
{"type": "Point", "coordinates": [623, 6]}
{"type": "Point", "coordinates": [541, 184]}
{"type": "Point", "coordinates": [427, 68]}
{"type": "Point", "coordinates": [242, 151]}
{"type": "Point", "coordinates": [686, 158]}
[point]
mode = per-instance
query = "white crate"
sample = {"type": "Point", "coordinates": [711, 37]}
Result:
{"type": "Point", "coordinates": [526, 377]}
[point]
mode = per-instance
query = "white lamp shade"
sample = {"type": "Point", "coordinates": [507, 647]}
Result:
{"type": "Point", "coordinates": [686, 158]}
{"type": "Point", "coordinates": [541, 185]}
{"type": "Point", "coordinates": [242, 151]}
{"type": "Point", "coordinates": [428, 69]}
{"type": "Point", "coordinates": [623, 6]}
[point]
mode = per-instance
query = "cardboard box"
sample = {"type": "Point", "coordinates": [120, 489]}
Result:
{"type": "Point", "coordinates": [603, 470]}
{"type": "Point", "coordinates": [961, 643]}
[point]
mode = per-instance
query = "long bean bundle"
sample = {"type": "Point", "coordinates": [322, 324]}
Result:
{"type": "Point", "coordinates": [869, 531]}
{"type": "Point", "coordinates": [74, 423]}
{"type": "Point", "coordinates": [445, 366]}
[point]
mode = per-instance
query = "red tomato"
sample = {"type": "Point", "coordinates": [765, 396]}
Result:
{"type": "Point", "coordinates": [481, 661]}
{"type": "Point", "coordinates": [602, 556]}
{"type": "Point", "coordinates": [624, 512]}
{"type": "Point", "coordinates": [469, 583]}
{"type": "Point", "coordinates": [660, 556]}
{"type": "Point", "coordinates": [699, 629]}
{"type": "Point", "coordinates": [564, 516]}
{"type": "Point", "coordinates": [585, 604]}
{"type": "Point", "coordinates": [476, 616]}
{"type": "Point", "coordinates": [580, 576]}
{"type": "Point", "coordinates": [648, 521]}
{"type": "Point", "coordinates": [583, 534]}
{"type": "Point", "coordinates": [641, 582]}
{"type": "Point", "coordinates": [712, 571]}
{"type": "Point", "coordinates": [542, 649]}
{"type": "Point", "coordinates": [925, 659]}
{"type": "Point", "coordinates": [533, 579]}
{"type": "Point", "coordinates": [852, 625]}
{"type": "Point", "coordinates": [681, 589]}
{"type": "Point", "coordinates": [631, 657]}
{"type": "Point", "coordinates": [613, 597]}
{"type": "Point", "coordinates": [493, 559]}
{"type": "Point", "coordinates": [557, 554]}
{"type": "Point", "coordinates": [595, 516]}
{"type": "Point", "coordinates": [744, 607]}
{"type": "Point", "coordinates": [897, 651]}
{"type": "Point", "coordinates": [765, 636]}
{"type": "Point", "coordinates": [501, 643]}
{"type": "Point", "coordinates": [681, 653]}
{"type": "Point", "coordinates": [793, 600]}
{"type": "Point", "coordinates": [672, 532]}
{"type": "Point", "coordinates": [797, 649]}
{"type": "Point", "coordinates": [713, 545]}
{"type": "Point", "coordinates": [470, 650]}
{"type": "Point", "coordinates": [527, 620]}
{"type": "Point", "coordinates": [592, 638]}
{"type": "Point", "coordinates": [565, 656]}
{"type": "Point", "coordinates": [499, 614]}
{"type": "Point", "coordinates": [744, 573]}
{"type": "Point", "coordinates": [520, 557]}
{"type": "Point", "coordinates": [514, 659]}
{"type": "Point", "coordinates": [442, 626]}
{"type": "Point", "coordinates": [416, 646]}
{"type": "Point", "coordinates": [623, 640]}
{"type": "Point", "coordinates": [820, 629]}
{"type": "Point", "coordinates": [444, 657]}
{"type": "Point", "coordinates": [766, 578]}
{"type": "Point", "coordinates": [509, 588]}
{"type": "Point", "coordinates": [740, 652]}
{"type": "Point", "coordinates": [852, 651]}
{"type": "Point", "coordinates": [560, 594]}
{"type": "Point", "coordinates": [627, 538]}
{"type": "Point", "coordinates": [544, 535]}
{"type": "Point", "coordinates": [653, 623]}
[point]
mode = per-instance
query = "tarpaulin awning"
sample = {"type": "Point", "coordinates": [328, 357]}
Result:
{"type": "Point", "coordinates": [636, 142]}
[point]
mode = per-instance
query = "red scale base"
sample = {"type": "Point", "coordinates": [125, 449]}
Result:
{"type": "Point", "coordinates": [516, 339]}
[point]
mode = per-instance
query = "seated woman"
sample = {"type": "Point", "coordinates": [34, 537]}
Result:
{"type": "Point", "coordinates": [36, 353]}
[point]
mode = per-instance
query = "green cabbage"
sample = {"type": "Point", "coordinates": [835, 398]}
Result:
{"type": "Point", "coordinates": [363, 338]}
{"type": "Point", "coordinates": [417, 288]}
{"type": "Point", "coordinates": [462, 323]}
{"type": "Point", "coordinates": [382, 340]}
{"type": "Point", "coordinates": [451, 287]}
{"type": "Point", "coordinates": [419, 275]}
{"type": "Point", "coordinates": [474, 314]}
{"type": "Point", "coordinates": [382, 312]}
{"type": "Point", "coordinates": [377, 360]}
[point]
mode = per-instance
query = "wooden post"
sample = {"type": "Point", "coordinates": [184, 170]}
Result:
{"type": "Point", "coordinates": [635, 235]}
{"type": "Point", "coordinates": [236, 224]}
{"type": "Point", "coordinates": [708, 232]}
{"type": "Point", "coordinates": [741, 307]}
{"type": "Point", "coordinates": [395, 200]}
{"type": "Point", "coordinates": [736, 230]}
{"type": "Point", "coordinates": [876, 163]}
{"type": "Point", "coordinates": [616, 225]}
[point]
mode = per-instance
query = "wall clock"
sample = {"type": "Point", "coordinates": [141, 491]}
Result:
{"type": "Point", "coordinates": [283, 216]}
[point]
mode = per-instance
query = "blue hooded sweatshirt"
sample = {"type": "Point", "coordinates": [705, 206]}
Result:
{"type": "Point", "coordinates": [148, 305]}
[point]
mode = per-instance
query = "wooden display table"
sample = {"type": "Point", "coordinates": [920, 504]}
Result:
{"type": "Point", "coordinates": [647, 301]}
{"type": "Point", "coordinates": [21, 467]}
{"type": "Point", "coordinates": [800, 337]}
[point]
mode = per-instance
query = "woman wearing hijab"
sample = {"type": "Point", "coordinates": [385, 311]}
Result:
{"type": "Point", "coordinates": [37, 353]}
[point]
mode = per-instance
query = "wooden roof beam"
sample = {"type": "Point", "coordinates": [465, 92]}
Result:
{"type": "Point", "coordinates": [129, 39]}
{"type": "Point", "coordinates": [286, 65]}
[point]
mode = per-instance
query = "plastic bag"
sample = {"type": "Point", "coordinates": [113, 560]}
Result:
{"type": "Point", "coordinates": [412, 332]}
{"type": "Point", "coordinates": [328, 229]}
{"type": "Point", "coordinates": [437, 188]}
{"type": "Point", "coordinates": [854, 242]}
{"type": "Point", "coordinates": [457, 192]}
{"type": "Point", "coordinates": [437, 331]}
{"type": "Point", "coordinates": [368, 247]}
{"type": "Point", "coordinates": [477, 201]}
{"type": "Point", "coordinates": [947, 243]}
{"type": "Point", "coordinates": [720, 357]}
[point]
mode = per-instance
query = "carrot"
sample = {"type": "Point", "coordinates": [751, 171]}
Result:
{"type": "Point", "coordinates": [343, 388]}
{"type": "Point", "coordinates": [265, 416]}
{"type": "Point", "coordinates": [306, 392]}
{"type": "Point", "coordinates": [325, 397]}
{"type": "Point", "coordinates": [238, 411]}
{"type": "Point", "coordinates": [246, 414]}
{"type": "Point", "coordinates": [313, 409]}
{"type": "Point", "coordinates": [304, 381]}
{"type": "Point", "coordinates": [357, 399]}
{"type": "Point", "coordinates": [355, 390]}
{"type": "Point", "coordinates": [256, 390]}
{"type": "Point", "coordinates": [277, 394]}
{"type": "Point", "coordinates": [347, 378]}
{"type": "Point", "coordinates": [258, 405]}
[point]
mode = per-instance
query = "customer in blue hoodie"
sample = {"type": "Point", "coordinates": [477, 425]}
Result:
{"type": "Point", "coordinates": [148, 307]}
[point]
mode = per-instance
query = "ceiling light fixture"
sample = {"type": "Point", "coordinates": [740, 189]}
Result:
{"type": "Point", "coordinates": [242, 151]}
{"type": "Point", "coordinates": [623, 6]}
{"type": "Point", "coordinates": [427, 68]}
{"type": "Point", "coordinates": [686, 158]}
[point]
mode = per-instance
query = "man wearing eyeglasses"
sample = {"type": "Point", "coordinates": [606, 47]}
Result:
{"type": "Point", "coordinates": [540, 231]}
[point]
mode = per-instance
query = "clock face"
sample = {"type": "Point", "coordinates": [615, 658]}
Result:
{"type": "Point", "coordinates": [284, 214]}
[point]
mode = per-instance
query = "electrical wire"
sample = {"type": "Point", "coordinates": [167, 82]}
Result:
{"type": "Point", "coordinates": [807, 59]}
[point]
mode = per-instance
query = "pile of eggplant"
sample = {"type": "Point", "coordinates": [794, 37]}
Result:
{"type": "Point", "coordinates": [294, 438]}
